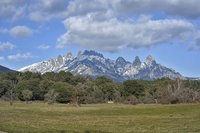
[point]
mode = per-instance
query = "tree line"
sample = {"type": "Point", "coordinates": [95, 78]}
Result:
{"type": "Point", "coordinates": [64, 87]}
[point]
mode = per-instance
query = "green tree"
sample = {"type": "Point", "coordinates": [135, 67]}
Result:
{"type": "Point", "coordinates": [32, 85]}
{"type": "Point", "coordinates": [65, 92]}
{"type": "Point", "coordinates": [63, 76]}
{"type": "Point", "coordinates": [102, 80]}
{"type": "Point", "coordinates": [77, 79]}
{"type": "Point", "coordinates": [27, 95]}
{"type": "Point", "coordinates": [44, 86]}
{"type": "Point", "coordinates": [51, 96]}
{"type": "Point", "coordinates": [49, 76]}
{"type": "Point", "coordinates": [132, 87]}
{"type": "Point", "coordinates": [13, 79]}
{"type": "Point", "coordinates": [4, 87]}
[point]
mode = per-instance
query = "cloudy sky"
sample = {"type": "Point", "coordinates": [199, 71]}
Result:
{"type": "Point", "coordinates": [37, 30]}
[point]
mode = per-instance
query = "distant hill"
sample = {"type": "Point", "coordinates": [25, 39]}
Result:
{"type": "Point", "coordinates": [5, 69]}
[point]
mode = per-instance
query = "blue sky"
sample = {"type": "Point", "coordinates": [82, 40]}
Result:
{"type": "Point", "coordinates": [37, 30]}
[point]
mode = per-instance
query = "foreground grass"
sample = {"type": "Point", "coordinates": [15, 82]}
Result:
{"type": "Point", "coordinates": [101, 118]}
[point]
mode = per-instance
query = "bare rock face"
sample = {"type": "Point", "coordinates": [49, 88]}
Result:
{"type": "Point", "coordinates": [92, 63]}
{"type": "Point", "coordinates": [137, 61]}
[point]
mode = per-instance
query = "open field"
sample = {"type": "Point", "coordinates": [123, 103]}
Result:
{"type": "Point", "coordinates": [100, 118]}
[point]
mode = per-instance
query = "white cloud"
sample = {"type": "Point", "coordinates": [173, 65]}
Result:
{"type": "Point", "coordinates": [44, 47]}
{"type": "Point", "coordinates": [20, 56]}
{"type": "Point", "coordinates": [20, 31]}
{"type": "Point", "coordinates": [77, 7]}
{"type": "Point", "coordinates": [6, 45]}
{"type": "Point", "coordinates": [109, 25]}
{"type": "Point", "coordinates": [1, 58]}
{"type": "Point", "coordinates": [184, 8]}
{"type": "Point", "coordinates": [113, 34]}
{"type": "Point", "coordinates": [44, 10]}
{"type": "Point", "coordinates": [117, 24]}
{"type": "Point", "coordinates": [12, 9]}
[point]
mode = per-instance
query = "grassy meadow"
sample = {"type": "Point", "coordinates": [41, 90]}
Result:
{"type": "Point", "coordinates": [99, 118]}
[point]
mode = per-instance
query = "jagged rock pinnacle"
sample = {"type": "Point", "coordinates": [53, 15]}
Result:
{"type": "Point", "coordinates": [69, 54]}
{"type": "Point", "coordinates": [79, 53]}
{"type": "Point", "coordinates": [137, 61]}
{"type": "Point", "coordinates": [150, 59]}
{"type": "Point", "coordinates": [120, 60]}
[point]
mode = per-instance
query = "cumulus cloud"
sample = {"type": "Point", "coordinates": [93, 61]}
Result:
{"type": "Point", "coordinates": [113, 34]}
{"type": "Point", "coordinates": [77, 7]}
{"type": "Point", "coordinates": [20, 56]}
{"type": "Point", "coordinates": [44, 10]}
{"type": "Point", "coordinates": [110, 25]}
{"type": "Point", "coordinates": [117, 24]}
{"type": "Point", "coordinates": [12, 9]}
{"type": "Point", "coordinates": [43, 47]}
{"type": "Point", "coordinates": [184, 8]}
{"type": "Point", "coordinates": [6, 45]}
{"type": "Point", "coordinates": [36, 10]}
{"type": "Point", "coordinates": [20, 31]}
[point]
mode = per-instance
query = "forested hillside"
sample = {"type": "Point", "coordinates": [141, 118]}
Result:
{"type": "Point", "coordinates": [63, 87]}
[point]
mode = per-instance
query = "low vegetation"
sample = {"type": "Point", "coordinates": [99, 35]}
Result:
{"type": "Point", "coordinates": [63, 87]}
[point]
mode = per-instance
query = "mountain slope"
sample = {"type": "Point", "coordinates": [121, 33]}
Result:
{"type": "Point", "coordinates": [5, 69]}
{"type": "Point", "coordinates": [95, 64]}
{"type": "Point", "coordinates": [52, 65]}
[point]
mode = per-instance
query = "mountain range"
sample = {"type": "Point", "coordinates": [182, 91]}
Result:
{"type": "Point", "coordinates": [94, 64]}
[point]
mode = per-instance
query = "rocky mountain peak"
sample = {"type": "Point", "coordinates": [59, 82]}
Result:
{"type": "Point", "coordinates": [137, 61]}
{"type": "Point", "coordinates": [79, 53]}
{"type": "Point", "coordinates": [120, 60]}
{"type": "Point", "coordinates": [120, 63]}
{"type": "Point", "coordinates": [150, 60]}
{"type": "Point", "coordinates": [60, 58]}
{"type": "Point", "coordinates": [69, 55]}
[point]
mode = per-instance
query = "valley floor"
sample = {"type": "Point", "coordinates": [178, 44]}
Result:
{"type": "Point", "coordinates": [99, 118]}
